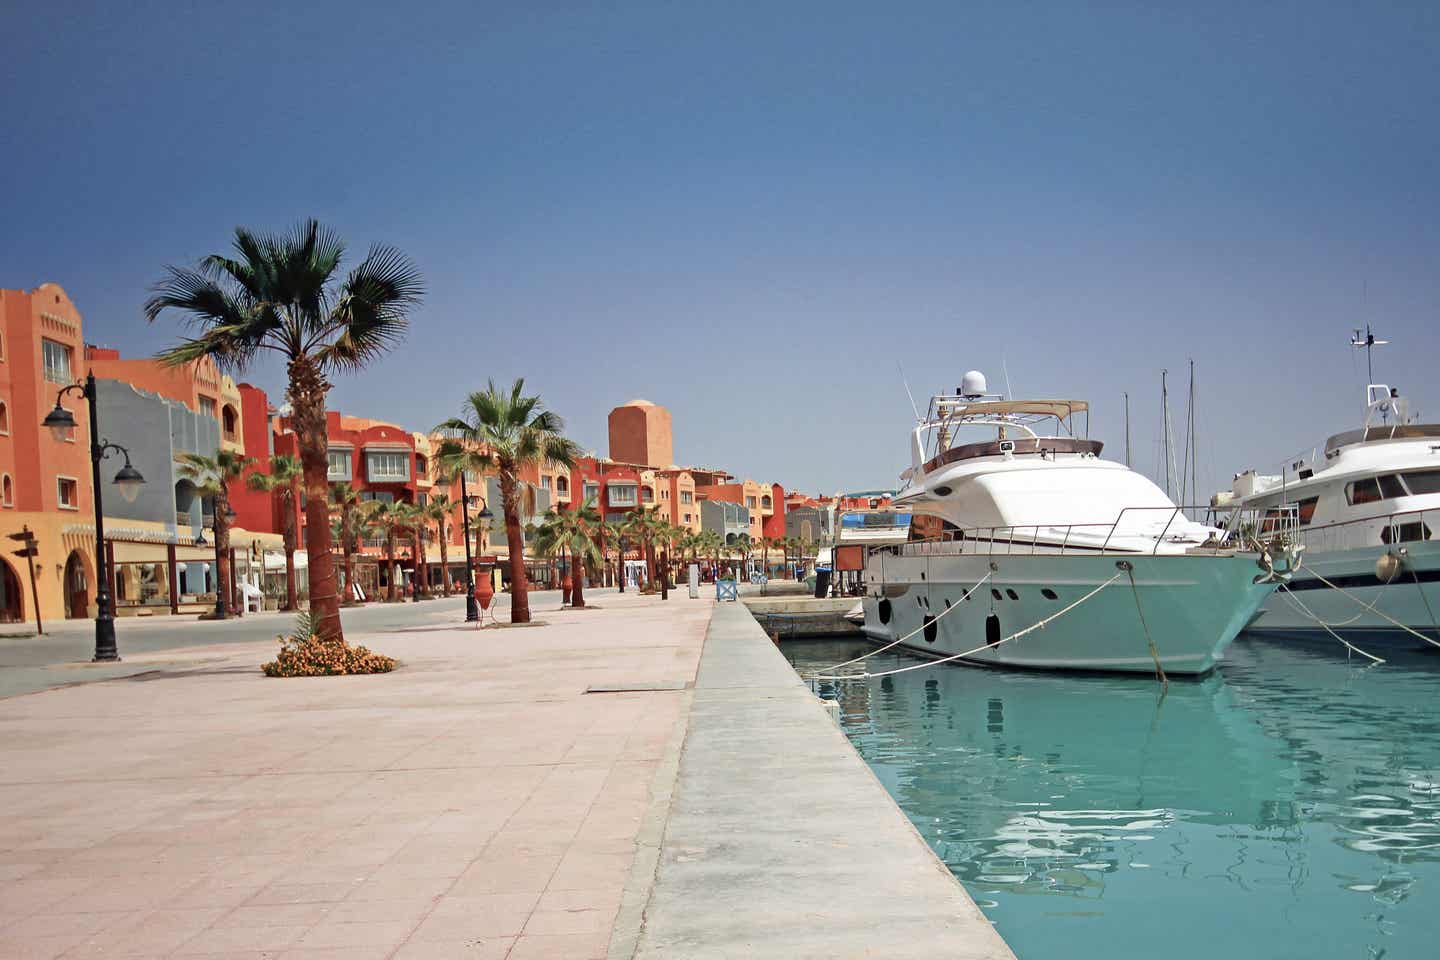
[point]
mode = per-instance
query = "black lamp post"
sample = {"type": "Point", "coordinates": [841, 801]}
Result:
{"type": "Point", "coordinates": [60, 422]}
{"type": "Point", "coordinates": [472, 610]}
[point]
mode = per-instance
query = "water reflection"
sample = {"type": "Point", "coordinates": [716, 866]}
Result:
{"type": "Point", "coordinates": [1288, 805]}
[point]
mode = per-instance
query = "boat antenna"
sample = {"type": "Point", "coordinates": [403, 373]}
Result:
{"type": "Point", "coordinates": [1165, 425]}
{"type": "Point", "coordinates": [1369, 343]}
{"type": "Point", "coordinates": [907, 390]}
{"type": "Point", "coordinates": [1127, 428]}
{"type": "Point", "coordinates": [1006, 369]}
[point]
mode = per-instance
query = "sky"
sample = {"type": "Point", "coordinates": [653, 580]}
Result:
{"type": "Point", "coordinates": [754, 214]}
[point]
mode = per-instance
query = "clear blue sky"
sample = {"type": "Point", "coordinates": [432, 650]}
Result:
{"type": "Point", "coordinates": [748, 213]}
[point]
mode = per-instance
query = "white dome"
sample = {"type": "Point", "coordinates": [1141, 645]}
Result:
{"type": "Point", "coordinates": [972, 384]}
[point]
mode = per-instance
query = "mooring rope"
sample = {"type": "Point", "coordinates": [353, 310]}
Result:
{"type": "Point", "coordinates": [1149, 640]}
{"type": "Point", "coordinates": [1374, 609]}
{"type": "Point", "coordinates": [1414, 575]}
{"type": "Point", "coordinates": [912, 633]}
{"type": "Point", "coordinates": [988, 646]}
{"type": "Point", "coordinates": [1295, 601]}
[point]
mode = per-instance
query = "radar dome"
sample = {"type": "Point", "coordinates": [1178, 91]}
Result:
{"type": "Point", "coordinates": [972, 384]}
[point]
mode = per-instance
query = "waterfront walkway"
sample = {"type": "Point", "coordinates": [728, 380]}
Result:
{"type": "Point", "coordinates": [478, 802]}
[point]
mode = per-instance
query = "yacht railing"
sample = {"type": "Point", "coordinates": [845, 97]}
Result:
{"type": "Point", "coordinates": [1089, 539]}
{"type": "Point", "coordinates": [1408, 526]}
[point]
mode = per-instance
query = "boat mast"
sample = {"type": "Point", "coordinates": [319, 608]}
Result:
{"type": "Point", "coordinates": [1194, 447]}
{"type": "Point", "coordinates": [1369, 343]}
{"type": "Point", "coordinates": [1127, 428]}
{"type": "Point", "coordinates": [1165, 425]}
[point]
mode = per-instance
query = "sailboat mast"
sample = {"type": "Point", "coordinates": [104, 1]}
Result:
{"type": "Point", "coordinates": [1165, 425]}
{"type": "Point", "coordinates": [1194, 446]}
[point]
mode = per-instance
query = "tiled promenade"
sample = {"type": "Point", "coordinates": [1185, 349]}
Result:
{"type": "Point", "coordinates": [476, 803]}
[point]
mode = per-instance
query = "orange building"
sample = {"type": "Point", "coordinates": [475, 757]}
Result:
{"type": "Point", "coordinates": [757, 498]}
{"type": "Point", "coordinates": [640, 433]}
{"type": "Point", "coordinates": [45, 482]}
{"type": "Point", "coordinates": [199, 385]}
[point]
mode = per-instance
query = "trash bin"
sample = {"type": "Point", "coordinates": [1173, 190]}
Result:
{"type": "Point", "coordinates": [822, 583]}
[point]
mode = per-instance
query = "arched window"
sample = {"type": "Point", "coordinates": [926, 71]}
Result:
{"type": "Point", "coordinates": [765, 502]}
{"type": "Point", "coordinates": [562, 484]}
{"type": "Point", "coordinates": [228, 420]}
{"type": "Point", "coordinates": [4, 418]}
{"type": "Point", "coordinates": [7, 491]}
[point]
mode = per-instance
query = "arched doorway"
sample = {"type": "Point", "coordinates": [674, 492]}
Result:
{"type": "Point", "coordinates": [12, 606]}
{"type": "Point", "coordinates": [76, 587]}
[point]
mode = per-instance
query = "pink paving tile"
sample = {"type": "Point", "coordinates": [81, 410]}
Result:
{"type": "Point", "coordinates": [485, 949]}
{"type": "Point", "coordinates": [572, 921]}
{"type": "Point", "coordinates": [390, 933]}
{"type": "Point", "coordinates": [584, 946]}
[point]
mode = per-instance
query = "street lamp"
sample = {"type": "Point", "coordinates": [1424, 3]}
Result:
{"type": "Point", "coordinates": [472, 610]}
{"type": "Point", "coordinates": [61, 423]}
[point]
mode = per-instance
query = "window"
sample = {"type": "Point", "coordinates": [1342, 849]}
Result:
{"type": "Point", "coordinates": [1374, 489]}
{"type": "Point", "coordinates": [229, 419]}
{"type": "Point", "coordinates": [57, 361]}
{"type": "Point", "coordinates": [750, 502]}
{"type": "Point", "coordinates": [1422, 482]}
{"type": "Point", "coordinates": [687, 518]}
{"type": "Point", "coordinates": [69, 493]}
{"type": "Point", "coordinates": [648, 494]}
{"type": "Point", "coordinates": [386, 466]}
{"type": "Point", "coordinates": [765, 503]}
{"type": "Point", "coordinates": [339, 467]}
{"type": "Point", "coordinates": [664, 494]}
{"type": "Point", "coordinates": [422, 498]}
{"type": "Point", "coordinates": [209, 407]}
{"type": "Point", "coordinates": [562, 485]}
{"type": "Point", "coordinates": [7, 492]}
{"type": "Point", "coordinates": [621, 494]}
{"type": "Point", "coordinates": [380, 496]}
{"type": "Point", "coordinates": [1306, 511]}
{"type": "Point", "coordinates": [1405, 533]}
{"type": "Point", "coordinates": [545, 483]}
{"type": "Point", "coordinates": [422, 466]}
{"type": "Point", "coordinates": [4, 419]}
{"type": "Point", "coordinates": [590, 489]}
{"type": "Point", "coordinates": [686, 497]}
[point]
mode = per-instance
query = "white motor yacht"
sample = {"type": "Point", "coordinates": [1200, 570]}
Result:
{"type": "Point", "coordinates": [1365, 508]}
{"type": "Point", "coordinates": [1030, 532]}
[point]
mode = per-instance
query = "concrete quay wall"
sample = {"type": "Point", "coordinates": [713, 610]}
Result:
{"type": "Point", "coordinates": [779, 841]}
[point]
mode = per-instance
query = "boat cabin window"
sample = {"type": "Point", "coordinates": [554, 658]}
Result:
{"type": "Point", "coordinates": [1423, 481]}
{"type": "Point", "coordinates": [1306, 511]}
{"type": "Point", "coordinates": [1405, 533]}
{"type": "Point", "coordinates": [1374, 489]}
{"type": "Point", "coordinates": [924, 527]}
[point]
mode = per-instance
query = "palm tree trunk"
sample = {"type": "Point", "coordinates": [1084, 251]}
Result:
{"type": "Point", "coordinates": [307, 401]}
{"type": "Point", "coordinates": [515, 542]}
{"type": "Point", "coordinates": [347, 544]}
{"type": "Point", "coordinates": [444, 560]}
{"type": "Point", "coordinates": [665, 576]}
{"type": "Point", "coordinates": [292, 601]}
{"type": "Point", "coordinates": [620, 564]}
{"type": "Point", "coordinates": [577, 597]}
{"type": "Point", "coordinates": [390, 564]}
{"type": "Point", "coordinates": [222, 555]}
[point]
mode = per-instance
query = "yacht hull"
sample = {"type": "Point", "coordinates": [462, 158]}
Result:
{"type": "Point", "coordinates": [1412, 597]}
{"type": "Point", "coordinates": [1193, 607]}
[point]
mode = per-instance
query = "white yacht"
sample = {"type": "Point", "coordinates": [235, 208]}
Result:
{"type": "Point", "coordinates": [1036, 529]}
{"type": "Point", "coordinates": [1365, 509]}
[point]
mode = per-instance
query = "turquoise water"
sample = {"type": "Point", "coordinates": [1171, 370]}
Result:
{"type": "Point", "coordinates": [1286, 806]}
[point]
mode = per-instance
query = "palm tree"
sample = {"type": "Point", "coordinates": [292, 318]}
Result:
{"type": "Point", "coordinates": [573, 533]}
{"type": "Point", "coordinates": [642, 527]}
{"type": "Point", "coordinates": [439, 509]}
{"type": "Point", "coordinates": [392, 519]}
{"type": "Point", "coordinates": [352, 519]}
{"type": "Point", "coordinates": [744, 547]}
{"type": "Point", "coordinates": [507, 432]}
{"type": "Point", "coordinates": [283, 483]}
{"type": "Point", "coordinates": [616, 533]}
{"type": "Point", "coordinates": [211, 477]}
{"type": "Point", "coordinates": [709, 542]}
{"type": "Point", "coordinates": [283, 294]}
{"type": "Point", "coordinates": [419, 527]}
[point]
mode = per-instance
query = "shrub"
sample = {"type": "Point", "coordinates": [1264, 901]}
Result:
{"type": "Point", "coordinates": [306, 653]}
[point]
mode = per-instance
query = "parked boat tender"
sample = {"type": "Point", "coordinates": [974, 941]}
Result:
{"type": "Point", "coordinates": [1040, 522]}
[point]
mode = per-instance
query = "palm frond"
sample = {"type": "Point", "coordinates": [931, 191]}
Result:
{"type": "Point", "coordinates": [372, 312]}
